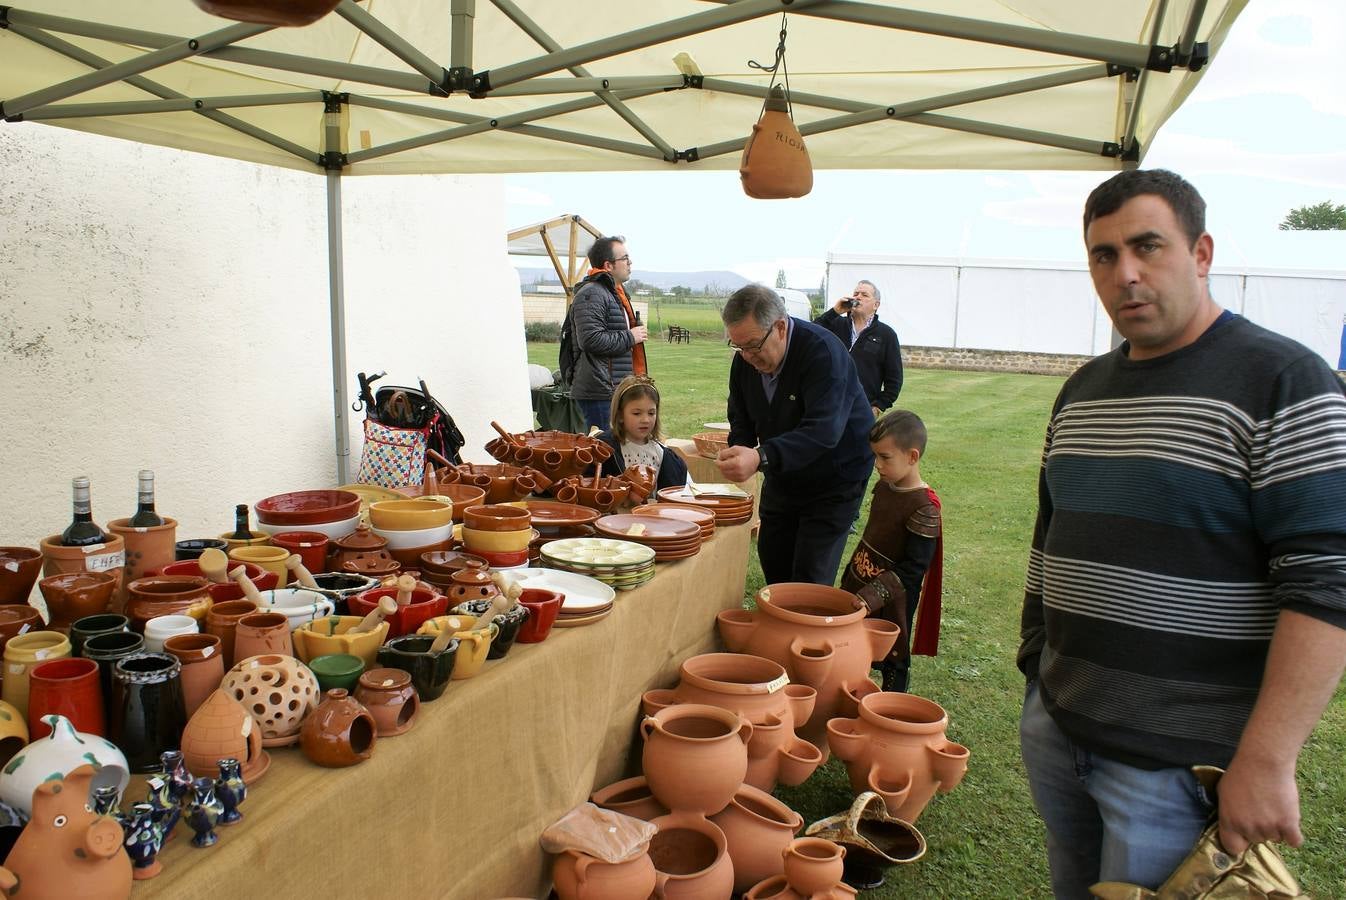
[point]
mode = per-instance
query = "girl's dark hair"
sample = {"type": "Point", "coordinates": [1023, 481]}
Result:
{"type": "Point", "coordinates": [903, 427]}
{"type": "Point", "coordinates": [634, 387]}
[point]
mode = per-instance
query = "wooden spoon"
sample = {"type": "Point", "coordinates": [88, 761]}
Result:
{"type": "Point", "coordinates": [214, 565]}
{"type": "Point", "coordinates": [509, 438]}
{"type": "Point", "coordinates": [295, 563]}
{"type": "Point", "coordinates": [250, 591]}
{"type": "Point", "coordinates": [387, 606]}
{"type": "Point", "coordinates": [405, 585]}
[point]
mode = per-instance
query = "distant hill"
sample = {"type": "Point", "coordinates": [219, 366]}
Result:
{"type": "Point", "coordinates": [728, 281]}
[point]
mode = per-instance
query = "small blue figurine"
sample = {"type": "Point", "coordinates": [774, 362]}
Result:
{"type": "Point", "coordinates": [231, 790]}
{"type": "Point", "coordinates": [105, 801]}
{"type": "Point", "coordinates": [167, 811]}
{"type": "Point", "coordinates": [175, 771]}
{"type": "Point", "coordinates": [204, 812]}
{"type": "Point", "coordinates": [143, 841]}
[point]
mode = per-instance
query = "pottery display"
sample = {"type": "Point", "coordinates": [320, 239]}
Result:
{"type": "Point", "coordinates": [473, 646]}
{"type": "Point", "coordinates": [579, 876]}
{"type": "Point", "coordinates": [106, 650]}
{"type": "Point", "coordinates": [277, 691]}
{"type": "Point", "coordinates": [336, 670]}
{"type": "Point", "coordinates": [501, 482]}
{"type": "Point", "coordinates": [147, 710]}
{"type": "Point", "coordinates": [298, 605]}
{"type": "Point", "coordinates": [61, 752]}
{"type": "Point", "coordinates": [695, 756]}
{"type": "Point", "coordinates": [231, 789]}
{"type": "Point", "coordinates": [341, 586]}
{"type": "Point", "coordinates": [164, 595]}
{"type": "Point", "coordinates": [543, 607]}
{"type": "Point", "coordinates": [630, 797]}
{"type": "Point", "coordinates": [204, 812]}
{"type": "Point", "coordinates": [19, 568]}
{"type": "Point", "coordinates": [813, 865]}
{"type": "Point", "coordinates": [339, 733]}
{"type": "Point", "coordinates": [307, 507]}
{"type": "Point", "coordinates": [222, 621]}
{"type": "Point", "coordinates": [259, 633]}
{"type": "Point", "coordinates": [147, 547]}
{"type": "Point", "coordinates": [599, 492]}
{"type": "Point", "coordinates": [332, 634]}
{"type": "Point", "coordinates": [222, 728]}
{"type": "Point", "coordinates": [760, 690]}
{"type": "Point", "coordinates": [424, 605]}
{"type": "Point", "coordinates": [391, 699]}
{"type": "Point", "coordinates": [221, 592]}
{"type": "Point", "coordinates": [13, 732]}
{"type": "Point", "coordinates": [310, 545]}
{"type": "Point", "coordinates": [757, 829]}
{"type": "Point", "coordinates": [507, 625]}
{"type": "Point", "coordinates": [65, 687]}
{"type": "Point", "coordinates": [109, 557]}
{"type": "Point", "coordinates": [896, 748]}
{"type": "Point", "coordinates": [143, 841]}
{"type": "Point", "coordinates": [192, 548]}
{"type": "Point", "coordinates": [361, 544]}
{"type": "Point", "coordinates": [874, 840]}
{"type": "Point", "coordinates": [202, 659]}
{"type": "Point", "coordinates": [430, 671]}
{"type": "Point", "coordinates": [691, 858]}
{"type": "Point", "coordinates": [272, 559]}
{"type": "Point", "coordinates": [823, 639]}
{"type": "Point", "coordinates": [16, 619]}
{"type": "Point", "coordinates": [161, 628]}
{"type": "Point", "coordinates": [83, 629]}
{"type": "Point", "coordinates": [21, 654]}
{"type": "Point", "coordinates": [68, 850]}
{"type": "Point", "coordinates": [75, 595]}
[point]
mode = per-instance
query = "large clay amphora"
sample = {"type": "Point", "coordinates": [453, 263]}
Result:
{"type": "Point", "coordinates": [695, 756]}
{"type": "Point", "coordinates": [897, 749]}
{"type": "Point", "coordinates": [822, 638]}
{"type": "Point", "coordinates": [579, 876]}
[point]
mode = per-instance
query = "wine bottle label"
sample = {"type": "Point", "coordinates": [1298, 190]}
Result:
{"type": "Point", "coordinates": [103, 562]}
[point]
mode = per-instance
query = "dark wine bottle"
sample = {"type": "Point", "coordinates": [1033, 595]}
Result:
{"type": "Point", "coordinates": [82, 531]}
{"type": "Point", "coordinates": [241, 530]}
{"type": "Point", "coordinates": [145, 516]}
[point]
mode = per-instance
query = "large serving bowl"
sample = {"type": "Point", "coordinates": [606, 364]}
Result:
{"type": "Point", "coordinates": [556, 453]}
{"type": "Point", "coordinates": [307, 508]}
{"type": "Point", "coordinates": [475, 541]}
{"type": "Point", "coordinates": [409, 515]}
{"type": "Point", "coordinates": [333, 530]}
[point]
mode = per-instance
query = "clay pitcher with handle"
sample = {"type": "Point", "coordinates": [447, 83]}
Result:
{"type": "Point", "coordinates": [695, 756]}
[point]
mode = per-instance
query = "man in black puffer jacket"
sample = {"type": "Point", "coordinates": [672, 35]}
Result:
{"type": "Point", "coordinates": [609, 340]}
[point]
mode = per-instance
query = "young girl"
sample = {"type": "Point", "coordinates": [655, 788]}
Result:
{"type": "Point", "coordinates": [634, 435]}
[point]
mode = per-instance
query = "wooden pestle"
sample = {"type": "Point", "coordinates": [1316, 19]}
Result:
{"type": "Point", "coordinates": [405, 585]}
{"type": "Point", "coordinates": [295, 563]}
{"type": "Point", "coordinates": [509, 589]}
{"type": "Point", "coordinates": [214, 565]}
{"type": "Point", "coordinates": [441, 641]}
{"type": "Point", "coordinates": [240, 575]}
{"type": "Point", "coordinates": [509, 438]}
{"type": "Point", "coordinates": [430, 486]}
{"type": "Point", "coordinates": [387, 606]}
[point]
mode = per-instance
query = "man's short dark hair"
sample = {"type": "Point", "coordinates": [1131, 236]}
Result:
{"type": "Point", "coordinates": [903, 427]}
{"type": "Point", "coordinates": [601, 253]}
{"type": "Point", "coordinates": [1173, 189]}
{"type": "Point", "coordinates": [762, 304]}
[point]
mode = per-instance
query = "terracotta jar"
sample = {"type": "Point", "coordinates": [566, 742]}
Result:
{"type": "Point", "coordinates": [579, 876]}
{"type": "Point", "coordinates": [202, 666]}
{"type": "Point", "coordinates": [760, 690]}
{"type": "Point", "coordinates": [822, 640]}
{"type": "Point", "coordinates": [691, 859]}
{"type": "Point", "coordinates": [339, 733]}
{"type": "Point", "coordinates": [67, 850]}
{"type": "Point", "coordinates": [260, 633]}
{"type": "Point", "coordinates": [16, 619]}
{"type": "Point", "coordinates": [391, 699]}
{"type": "Point", "coordinates": [332, 634]}
{"type": "Point", "coordinates": [630, 797]}
{"type": "Point", "coordinates": [277, 691]}
{"type": "Point", "coordinates": [813, 865]}
{"type": "Point", "coordinates": [896, 748]}
{"type": "Point", "coordinates": [75, 595]}
{"type": "Point", "coordinates": [147, 548]}
{"type": "Point", "coordinates": [695, 756]}
{"type": "Point", "coordinates": [24, 652]}
{"type": "Point", "coordinates": [222, 621]}
{"type": "Point", "coordinates": [757, 828]}
{"type": "Point", "coordinates": [874, 840]}
{"type": "Point", "coordinates": [19, 568]}
{"type": "Point", "coordinates": [65, 687]}
{"type": "Point", "coordinates": [63, 751]}
{"type": "Point", "coordinates": [109, 557]}
{"type": "Point", "coordinates": [424, 605]}
{"type": "Point", "coordinates": [360, 543]}
{"type": "Point", "coordinates": [221, 728]}
{"type": "Point", "coordinates": [165, 595]}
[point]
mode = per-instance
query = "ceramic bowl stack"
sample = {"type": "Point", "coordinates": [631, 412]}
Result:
{"type": "Point", "coordinates": [698, 515]}
{"type": "Point", "coordinates": [335, 513]}
{"type": "Point", "coordinates": [587, 600]}
{"type": "Point", "coordinates": [412, 527]}
{"type": "Point", "coordinates": [437, 567]}
{"type": "Point", "coordinates": [668, 538]}
{"type": "Point", "coordinates": [728, 510]}
{"type": "Point", "coordinates": [499, 534]}
{"type": "Point", "coordinates": [622, 564]}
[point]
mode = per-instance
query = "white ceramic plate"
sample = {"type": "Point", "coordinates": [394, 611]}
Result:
{"type": "Point", "coordinates": [581, 592]}
{"type": "Point", "coordinates": [595, 551]}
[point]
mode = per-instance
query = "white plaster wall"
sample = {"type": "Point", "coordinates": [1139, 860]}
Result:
{"type": "Point", "coordinates": [168, 310]}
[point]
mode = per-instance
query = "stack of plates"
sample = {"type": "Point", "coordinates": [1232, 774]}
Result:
{"type": "Point", "coordinates": [697, 515]}
{"type": "Point", "coordinates": [669, 538]}
{"type": "Point", "coordinates": [622, 564]}
{"type": "Point", "coordinates": [587, 600]}
{"type": "Point", "coordinates": [728, 510]}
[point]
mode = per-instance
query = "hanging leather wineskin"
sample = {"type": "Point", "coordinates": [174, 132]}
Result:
{"type": "Point", "coordinates": [775, 163]}
{"type": "Point", "coordinates": [270, 12]}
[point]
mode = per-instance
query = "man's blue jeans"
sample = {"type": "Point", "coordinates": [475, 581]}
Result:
{"type": "Point", "coordinates": [1106, 821]}
{"type": "Point", "coordinates": [597, 413]}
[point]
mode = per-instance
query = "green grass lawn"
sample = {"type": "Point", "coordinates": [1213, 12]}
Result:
{"type": "Point", "coordinates": [985, 441]}
{"type": "Point", "coordinates": [702, 319]}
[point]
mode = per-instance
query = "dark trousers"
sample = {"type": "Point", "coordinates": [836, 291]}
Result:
{"type": "Point", "coordinates": [801, 538]}
{"type": "Point", "coordinates": [596, 413]}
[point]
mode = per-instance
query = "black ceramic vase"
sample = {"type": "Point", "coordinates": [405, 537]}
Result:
{"type": "Point", "coordinates": [148, 712]}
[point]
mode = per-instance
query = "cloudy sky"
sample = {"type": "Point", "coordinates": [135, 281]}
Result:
{"type": "Point", "coordinates": [1264, 131]}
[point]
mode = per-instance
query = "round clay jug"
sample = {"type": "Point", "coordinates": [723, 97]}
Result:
{"type": "Point", "coordinates": [339, 733]}
{"type": "Point", "coordinates": [630, 797]}
{"type": "Point", "coordinates": [897, 749]}
{"type": "Point", "coordinates": [167, 595]}
{"type": "Point", "coordinates": [813, 865]}
{"type": "Point", "coordinates": [821, 636]}
{"type": "Point", "coordinates": [695, 756]}
{"type": "Point", "coordinates": [391, 699]}
{"type": "Point", "coordinates": [757, 828]}
{"type": "Point", "coordinates": [579, 876]}
{"type": "Point", "coordinates": [691, 859]}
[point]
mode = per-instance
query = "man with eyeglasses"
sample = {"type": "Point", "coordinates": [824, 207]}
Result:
{"type": "Point", "coordinates": [607, 334]}
{"type": "Point", "coordinates": [798, 415]}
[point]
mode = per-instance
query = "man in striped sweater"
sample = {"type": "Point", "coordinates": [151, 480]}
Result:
{"type": "Point", "coordinates": [1186, 593]}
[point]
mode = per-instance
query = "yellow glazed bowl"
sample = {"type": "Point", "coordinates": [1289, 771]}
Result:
{"type": "Point", "coordinates": [329, 635]}
{"type": "Point", "coordinates": [270, 558]}
{"type": "Point", "coordinates": [497, 541]}
{"type": "Point", "coordinates": [409, 515]}
{"type": "Point", "coordinates": [258, 539]}
{"type": "Point", "coordinates": [472, 645]}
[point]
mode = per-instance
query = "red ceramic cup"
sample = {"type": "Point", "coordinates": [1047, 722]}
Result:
{"type": "Point", "coordinates": [543, 607]}
{"type": "Point", "coordinates": [65, 687]}
{"type": "Point", "coordinates": [310, 545]}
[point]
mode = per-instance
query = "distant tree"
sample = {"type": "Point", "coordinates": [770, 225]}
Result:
{"type": "Point", "coordinates": [715, 289]}
{"type": "Point", "coordinates": [1325, 216]}
{"type": "Point", "coordinates": [681, 291]}
{"type": "Point", "coordinates": [780, 279]}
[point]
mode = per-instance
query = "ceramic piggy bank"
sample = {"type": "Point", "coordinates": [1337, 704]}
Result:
{"type": "Point", "coordinates": [66, 850]}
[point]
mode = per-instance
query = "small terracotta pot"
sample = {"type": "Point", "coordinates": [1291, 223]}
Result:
{"type": "Point", "coordinates": [695, 756]}
{"type": "Point", "coordinates": [16, 619]}
{"type": "Point", "coordinates": [391, 699]}
{"type": "Point", "coordinates": [19, 568]}
{"type": "Point", "coordinates": [339, 733]}
{"type": "Point", "coordinates": [222, 621]}
{"type": "Point", "coordinates": [65, 687]}
{"type": "Point", "coordinates": [430, 672]}
{"type": "Point", "coordinates": [630, 797]}
{"type": "Point", "coordinates": [202, 666]}
{"type": "Point", "coordinates": [166, 595]}
{"type": "Point", "coordinates": [579, 876]}
{"type": "Point", "coordinates": [310, 545]}
{"type": "Point", "coordinates": [543, 607]}
{"type": "Point", "coordinates": [146, 548]}
{"type": "Point", "coordinates": [813, 865]}
{"type": "Point", "coordinates": [691, 858]}
{"type": "Point", "coordinates": [260, 633]}
{"type": "Point", "coordinates": [24, 652]}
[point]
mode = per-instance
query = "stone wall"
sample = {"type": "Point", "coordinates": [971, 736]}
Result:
{"type": "Point", "coordinates": [991, 360]}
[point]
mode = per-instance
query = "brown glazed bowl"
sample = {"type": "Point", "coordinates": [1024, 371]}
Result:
{"type": "Point", "coordinates": [75, 595]}
{"type": "Point", "coordinates": [19, 567]}
{"type": "Point", "coordinates": [308, 507]}
{"type": "Point", "coordinates": [497, 518]}
{"type": "Point", "coordinates": [17, 619]}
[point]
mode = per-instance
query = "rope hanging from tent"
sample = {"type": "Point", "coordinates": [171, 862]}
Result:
{"type": "Point", "coordinates": [778, 64]}
{"type": "Point", "coordinates": [775, 163]}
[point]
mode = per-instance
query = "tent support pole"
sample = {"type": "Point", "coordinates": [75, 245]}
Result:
{"type": "Point", "coordinates": [337, 287]}
{"type": "Point", "coordinates": [391, 41]}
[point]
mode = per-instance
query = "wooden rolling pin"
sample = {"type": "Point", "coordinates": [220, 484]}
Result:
{"type": "Point", "coordinates": [295, 563]}
{"type": "Point", "coordinates": [240, 575]}
{"type": "Point", "coordinates": [214, 565]}
{"type": "Point", "coordinates": [387, 606]}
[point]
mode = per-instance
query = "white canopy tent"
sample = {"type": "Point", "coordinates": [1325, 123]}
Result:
{"type": "Point", "coordinates": [457, 86]}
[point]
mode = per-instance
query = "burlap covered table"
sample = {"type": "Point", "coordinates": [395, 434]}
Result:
{"type": "Point", "coordinates": [454, 807]}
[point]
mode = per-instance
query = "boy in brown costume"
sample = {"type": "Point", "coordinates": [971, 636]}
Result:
{"type": "Point", "coordinates": [902, 546]}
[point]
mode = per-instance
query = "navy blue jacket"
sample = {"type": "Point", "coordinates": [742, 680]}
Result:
{"type": "Point", "coordinates": [815, 432]}
{"type": "Point", "coordinates": [672, 471]}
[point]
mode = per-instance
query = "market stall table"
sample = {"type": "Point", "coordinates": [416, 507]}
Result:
{"type": "Point", "coordinates": [454, 807]}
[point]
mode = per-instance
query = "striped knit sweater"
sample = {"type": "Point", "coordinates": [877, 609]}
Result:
{"type": "Point", "coordinates": [1183, 501]}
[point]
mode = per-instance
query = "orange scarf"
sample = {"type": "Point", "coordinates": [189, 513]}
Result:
{"type": "Point", "coordinates": [638, 364]}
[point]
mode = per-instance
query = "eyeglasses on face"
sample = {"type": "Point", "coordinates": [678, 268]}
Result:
{"type": "Point", "coordinates": [754, 346]}
{"type": "Point", "coordinates": [625, 259]}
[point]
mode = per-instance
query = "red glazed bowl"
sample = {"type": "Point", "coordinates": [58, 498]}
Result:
{"type": "Point", "coordinates": [497, 518]}
{"type": "Point", "coordinates": [504, 560]}
{"type": "Point", "coordinates": [307, 507]}
{"type": "Point", "coordinates": [424, 605]}
{"type": "Point", "coordinates": [543, 607]}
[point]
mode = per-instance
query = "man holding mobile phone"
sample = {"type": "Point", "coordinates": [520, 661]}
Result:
{"type": "Point", "coordinates": [873, 344]}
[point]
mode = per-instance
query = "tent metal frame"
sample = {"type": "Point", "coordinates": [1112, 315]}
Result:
{"type": "Point", "coordinates": [1102, 58]}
